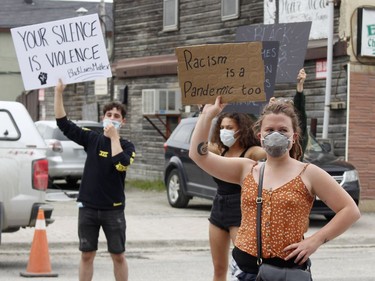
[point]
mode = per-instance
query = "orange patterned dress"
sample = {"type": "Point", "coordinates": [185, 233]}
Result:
{"type": "Point", "coordinates": [285, 215]}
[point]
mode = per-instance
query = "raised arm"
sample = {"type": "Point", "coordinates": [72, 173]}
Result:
{"type": "Point", "coordinates": [229, 169]}
{"type": "Point", "coordinates": [59, 103]}
{"type": "Point", "coordinates": [301, 77]}
{"type": "Point", "coordinates": [300, 105]}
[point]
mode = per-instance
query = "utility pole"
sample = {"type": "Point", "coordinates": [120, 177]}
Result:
{"type": "Point", "coordinates": [327, 102]}
{"type": "Point", "coordinates": [102, 20]}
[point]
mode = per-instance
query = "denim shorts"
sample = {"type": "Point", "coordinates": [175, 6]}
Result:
{"type": "Point", "coordinates": [226, 211]}
{"type": "Point", "coordinates": [113, 224]}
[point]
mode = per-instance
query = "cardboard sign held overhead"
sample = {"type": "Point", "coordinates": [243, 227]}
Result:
{"type": "Point", "coordinates": [270, 55]}
{"type": "Point", "coordinates": [234, 71]}
{"type": "Point", "coordinates": [71, 49]}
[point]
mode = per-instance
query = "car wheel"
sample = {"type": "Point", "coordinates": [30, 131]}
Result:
{"type": "Point", "coordinates": [176, 196]}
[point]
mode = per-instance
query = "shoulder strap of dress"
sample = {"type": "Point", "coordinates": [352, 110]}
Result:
{"type": "Point", "coordinates": [252, 168]}
{"type": "Point", "coordinates": [304, 168]}
{"type": "Point", "coordinates": [244, 152]}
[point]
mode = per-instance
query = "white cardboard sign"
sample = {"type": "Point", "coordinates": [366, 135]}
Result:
{"type": "Point", "coordinates": [71, 49]}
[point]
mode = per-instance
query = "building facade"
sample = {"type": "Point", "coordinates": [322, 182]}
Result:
{"type": "Point", "coordinates": [145, 42]}
{"type": "Point", "coordinates": [144, 67]}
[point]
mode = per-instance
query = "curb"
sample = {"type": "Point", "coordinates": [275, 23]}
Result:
{"type": "Point", "coordinates": [131, 246]}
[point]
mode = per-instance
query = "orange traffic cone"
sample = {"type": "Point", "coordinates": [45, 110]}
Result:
{"type": "Point", "coordinates": [39, 263]}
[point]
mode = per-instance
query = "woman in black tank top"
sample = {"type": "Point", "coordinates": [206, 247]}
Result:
{"type": "Point", "coordinates": [232, 137]}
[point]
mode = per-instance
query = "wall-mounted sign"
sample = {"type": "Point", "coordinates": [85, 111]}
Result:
{"type": "Point", "coordinates": [366, 32]}
{"type": "Point", "coordinates": [321, 69]}
{"type": "Point", "coordinates": [234, 71]}
{"type": "Point", "coordinates": [289, 11]}
{"type": "Point", "coordinates": [71, 49]}
{"type": "Point", "coordinates": [101, 87]}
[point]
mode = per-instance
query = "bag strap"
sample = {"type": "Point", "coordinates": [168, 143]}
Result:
{"type": "Point", "coordinates": [259, 202]}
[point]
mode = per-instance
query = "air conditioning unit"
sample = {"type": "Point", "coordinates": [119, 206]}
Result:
{"type": "Point", "coordinates": [161, 101]}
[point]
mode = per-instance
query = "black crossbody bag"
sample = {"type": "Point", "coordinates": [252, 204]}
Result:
{"type": "Point", "coordinates": [269, 272]}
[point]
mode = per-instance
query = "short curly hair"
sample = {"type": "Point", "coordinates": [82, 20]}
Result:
{"type": "Point", "coordinates": [244, 122]}
{"type": "Point", "coordinates": [114, 104]}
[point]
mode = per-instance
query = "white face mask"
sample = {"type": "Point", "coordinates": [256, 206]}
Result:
{"type": "Point", "coordinates": [227, 137]}
{"type": "Point", "coordinates": [115, 123]}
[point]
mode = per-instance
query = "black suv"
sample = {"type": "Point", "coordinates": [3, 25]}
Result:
{"type": "Point", "coordinates": [184, 179]}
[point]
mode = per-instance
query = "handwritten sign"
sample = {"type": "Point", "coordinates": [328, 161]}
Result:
{"type": "Point", "coordinates": [293, 38]}
{"type": "Point", "coordinates": [315, 11]}
{"type": "Point", "coordinates": [234, 71]}
{"type": "Point", "coordinates": [71, 49]}
{"type": "Point", "coordinates": [270, 53]}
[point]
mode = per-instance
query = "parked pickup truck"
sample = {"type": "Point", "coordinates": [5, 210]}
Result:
{"type": "Point", "coordinates": [23, 169]}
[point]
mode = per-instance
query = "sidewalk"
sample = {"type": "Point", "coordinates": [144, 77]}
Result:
{"type": "Point", "coordinates": [151, 222]}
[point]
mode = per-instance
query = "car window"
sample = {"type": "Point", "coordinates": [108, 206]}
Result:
{"type": "Point", "coordinates": [58, 135]}
{"type": "Point", "coordinates": [313, 145]}
{"type": "Point", "coordinates": [183, 133]}
{"type": "Point", "coordinates": [8, 128]}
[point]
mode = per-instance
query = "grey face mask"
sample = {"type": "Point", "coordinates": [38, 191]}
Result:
{"type": "Point", "coordinates": [275, 144]}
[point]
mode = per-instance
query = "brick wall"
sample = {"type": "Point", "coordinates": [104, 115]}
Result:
{"type": "Point", "coordinates": [361, 143]}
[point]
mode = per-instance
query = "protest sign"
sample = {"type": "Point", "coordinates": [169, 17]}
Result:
{"type": "Point", "coordinates": [293, 38]}
{"type": "Point", "coordinates": [234, 71]}
{"type": "Point", "coordinates": [270, 52]}
{"type": "Point", "coordinates": [71, 49]}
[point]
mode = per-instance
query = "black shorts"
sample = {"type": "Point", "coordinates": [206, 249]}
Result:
{"type": "Point", "coordinates": [226, 211]}
{"type": "Point", "coordinates": [113, 224]}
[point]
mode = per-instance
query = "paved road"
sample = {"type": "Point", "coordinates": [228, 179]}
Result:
{"type": "Point", "coordinates": [172, 244]}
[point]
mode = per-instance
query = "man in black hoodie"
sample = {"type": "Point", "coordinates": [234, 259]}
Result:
{"type": "Point", "coordinates": [101, 198]}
